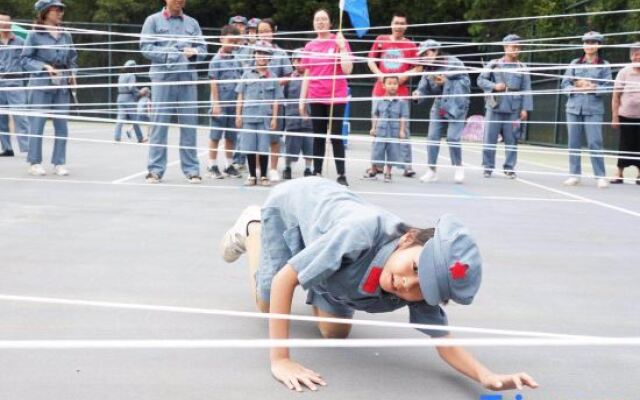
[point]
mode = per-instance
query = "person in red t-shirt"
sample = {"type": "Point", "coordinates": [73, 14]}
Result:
{"type": "Point", "coordinates": [396, 55]}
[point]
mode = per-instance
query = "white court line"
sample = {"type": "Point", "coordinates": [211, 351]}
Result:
{"type": "Point", "coordinates": [259, 315]}
{"type": "Point", "coordinates": [310, 343]}
{"type": "Point", "coordinates": [145, 172]}
{"type": "Point", "coordinates": [577, 197]}
{"type": "Point", "coordinates": [257, 188]}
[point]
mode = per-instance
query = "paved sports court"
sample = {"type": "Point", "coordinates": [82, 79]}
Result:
{"type": "Point", "coordinates": [556, 260]}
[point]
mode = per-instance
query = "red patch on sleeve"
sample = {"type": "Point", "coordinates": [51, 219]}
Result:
{"type": "Point", "coordinates": [372, 283]}
{"type": "Point", "coordinates": [458, 271]}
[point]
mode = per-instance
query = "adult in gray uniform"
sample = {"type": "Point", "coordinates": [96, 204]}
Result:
{"type": "Point", "coordinates": [508, 100]}
{"type": "Point", "coordinates": [127, 101]}
{"type": "Point", "coordinates": [585, 82]}
{"type": "Point", "coordinates": [173, 42]}
{"type": "Point", "coordinates": [12, 76]}
{"type": "Point", "coordinates": [351, 255]}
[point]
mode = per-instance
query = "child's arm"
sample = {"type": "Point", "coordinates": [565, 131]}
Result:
{"type": "Point", "coordinates": [374, 125]}
{"type": "Point", "coordinates": [402, 124]}
{"type": "Point", "coordinates": [215, 99]}
{"type": "Point", "coordinates": [302, 105]}
{"type": "Point", "coordinates": [465, 363]}
{"type": "Point", "coordinates": [274, 118]}
{"type": "Point", "coordinates": [283, 368]}
{"type": "Point", "coordinates": [239, 111]}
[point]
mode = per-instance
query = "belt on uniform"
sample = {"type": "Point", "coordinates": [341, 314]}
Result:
{"type": "Point", "coordinates": [12, 76]}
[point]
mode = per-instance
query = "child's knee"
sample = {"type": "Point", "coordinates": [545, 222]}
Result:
{"type": "Point", "coordinates": [262, 306]}
{"type": "Point", "coordinates": [330, 330]}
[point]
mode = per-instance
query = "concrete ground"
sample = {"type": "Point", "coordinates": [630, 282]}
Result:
{"type": "Point", "coordinates": [557, 259]}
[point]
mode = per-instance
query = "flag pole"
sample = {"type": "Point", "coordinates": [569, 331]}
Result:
{"type": "Point", "coordinates": [333, 94]}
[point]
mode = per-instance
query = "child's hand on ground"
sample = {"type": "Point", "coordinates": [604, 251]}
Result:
{"type": "Point", "coordinates": [294, 375]}
{"type": "Point", "coordinates": [508, 382]}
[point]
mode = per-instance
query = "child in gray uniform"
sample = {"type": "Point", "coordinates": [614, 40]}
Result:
{"type": "Point", "coordinates": [388, 126]}
{"type": "Point", "coordinates": [295, 123]}
{"type": "Point", "coordinates": [351, 255]}
{"type": "Point", "coordinates": [257, 112]}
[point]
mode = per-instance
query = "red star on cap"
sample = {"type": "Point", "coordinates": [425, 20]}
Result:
{"type": "Point", "coordinates": [458, 271]}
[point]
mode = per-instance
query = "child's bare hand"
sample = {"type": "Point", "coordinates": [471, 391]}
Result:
{"type": "Point", "coordinates": [239, 122]}
{"type": "Point", "coordinates": [302, 109]}
{"type": "Point", "coordinates": [274, 124]}
{"type": "Point", "coordinates": [402, 135]}
{"type": "Point", "coordinates": [294, 375]}
{"type": "Point", "coordinates": [372, 132]}
{"type": "Point", "coordinates": [508, 382]}
{"type": "Point", "coordinates": [216, 110]}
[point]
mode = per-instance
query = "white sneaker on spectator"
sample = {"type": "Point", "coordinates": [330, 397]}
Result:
{"type": "Point", "coordinates": [603, 183]}
{"type": "Point", "coordinates": [37, 170]}
{"type": "Point", "coordinates": [60, 170]}
{"type": "Point", "coordinates": [458, 175]}
{"type": "Point", "coordinates": [274, 175]}
{"type": "Point", "coordinates": [429, 176]}
{"type": "Point", "coordinates": [572, 181]}
{"type": "Point", "coordinates": [233, 243]}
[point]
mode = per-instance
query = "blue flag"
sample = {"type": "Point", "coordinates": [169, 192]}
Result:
{"type": "Point", "coordinates": [358, 14]}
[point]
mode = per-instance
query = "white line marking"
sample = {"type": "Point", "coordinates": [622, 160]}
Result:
{"type": "Point", "coordinates": [246, 314]}
{"type": "Point", "coordinates": [227, 187]}
{"type": "Point", "coordinates": [310, 343]}
{"type": "Point", "coordinates": [145, 172]}
{"type": "Point", "coordinates": [582, 198]}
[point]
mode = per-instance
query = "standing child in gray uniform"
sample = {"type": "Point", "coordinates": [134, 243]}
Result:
{"type": "Point", "coordinates": [257, 112]}
{"type": "Point", "coordinates": [504, 110]}
{"type": "Point", "coordinates": [224, 67]}
{"type": "Point", "coordinates": [449, 109]}
{"type": "Point", "coordinates": [295, 123]}
{"type": "Point", "coordinates": [351, 255]}
{"type": "Point", "coordinates": [127, 101]}
{"type": "Point", "coordinates": [585, 81]}
{"type": "Point", "coordinates": [388, 122]}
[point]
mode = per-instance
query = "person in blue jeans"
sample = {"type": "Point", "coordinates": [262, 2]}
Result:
{"type": "Point", "coordinates": [173, 42]}
{"type": "Point", "coordinates": [585, 82]}
{"type": "Point", "coordinates": [51, 58]}
{"type": "Point", "coordinates": [128, 95]}
{"type": "Point", "coordinates": [508, 103]}
{"type": "Point", "coordinates": [446, 77]}
{"type": "Point", "coordinates": [12, 76]}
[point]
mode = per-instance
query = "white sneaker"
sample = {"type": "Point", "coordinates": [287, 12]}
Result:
{"type": "Point", "coordinates": [37, 170]}
{"type": "Point", "coordinates": [274, 175]}
{"type": "Point", "coordinates": [429, 176]}
{"type": "Point", "coordinates": [60, 170]}
{"type": "Point", "coordinates": [572, 181]}
{"type": "Point", "coordinates": [603, 183]}
{"type": "Point", "coordinates": [233, 243]}
{"type": "Point", "coordinates": [458, 175]}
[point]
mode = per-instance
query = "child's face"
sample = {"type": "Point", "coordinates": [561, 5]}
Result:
{"type": "Point", "coordinates": [391, 86]}
{"type": "Point", "coordinates": [400, 274]}
{"type": "Point", "coordinates": [228, 43]}
{"type": "Point", "coordinates": [297, 65]}
{"type": "Point", "coordinates": [262, 59]}
{"type": "Point", "coordinates": [512, 50]}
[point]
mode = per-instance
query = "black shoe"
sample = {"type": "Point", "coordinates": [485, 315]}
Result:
{"type": "Point", "coordinates": [342, 180]}
{"type": "Point", "coordinates": [152, 178]}
{"type": "Point", "coordinates": [486, 173]}
{"type": "Point", "coordinates": [370, 174]}
{"type": "Point", "coordinates": [286, 173]}
{"type": "Point", "coordinates": [409, 173]}
{"type": "Point", "coordinates": [510, 174]}
{"type": "Point", "coordinates": [307, 172]}
{"type": "Point", "coordinates": [214, 172]}
{"type": "Point", "coordinates": [7, 153]}
{"type": "Point", "coordinates": [232, 172]}
{"type": "Point", "coordinates": [616, 181]}
{"type": "Point", "coordinates": [638, 181]}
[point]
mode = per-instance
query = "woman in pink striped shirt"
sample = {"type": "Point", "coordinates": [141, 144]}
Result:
{"type": "Point", "coordinates": [327, 60]}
